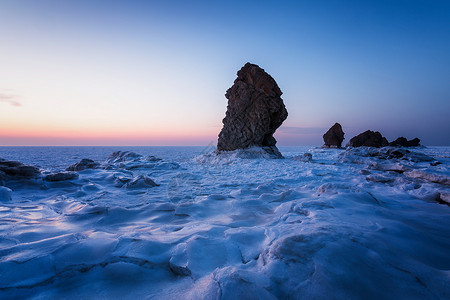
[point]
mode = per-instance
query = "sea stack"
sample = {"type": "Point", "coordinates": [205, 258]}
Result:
{"type": "Point", "coordinates": [369, 139]}
{"type": "Point", "coordinates": [334, 136]}
{"type": "Point", "coordinates": [255, 110]}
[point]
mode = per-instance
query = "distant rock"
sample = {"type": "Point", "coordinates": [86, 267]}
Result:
{"type": "Point", "coordinates": [403, 142]}
{"type": "Point", "coordinates": [334, 136]}
{"type": "Point", "coordinates": [60, 176]}
{"type": "Point", "coordinates": [255, 110]}
{"type": "Point", "coordinates": [84, 164]}
{"type": "Point", "coordinates": [10, 168]}
{"type": "Point", "coordinates": [370, 139]}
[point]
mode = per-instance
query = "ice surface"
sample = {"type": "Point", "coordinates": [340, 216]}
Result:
{"type": "Point", "coordinates": [165, 223]}
{"type": "Point", "coordinates": [5, 194]}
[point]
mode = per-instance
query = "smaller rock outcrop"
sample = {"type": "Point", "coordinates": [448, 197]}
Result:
{"type": "Point", "coordinates": [403, 142]}
{"type": "Point", "coordinates": [84, 164]}
{"type": "Point", "coordinates": [16, 169]}
{"type": "Point", "coordinates": [334, 136]}
{"type": "Point", "coordinates": [369, 139]}
{"type": "Point", "coordinates": [60, 176]}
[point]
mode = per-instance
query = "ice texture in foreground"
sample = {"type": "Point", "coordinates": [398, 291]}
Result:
{"type": "Point", "coordinates": [359, 223]}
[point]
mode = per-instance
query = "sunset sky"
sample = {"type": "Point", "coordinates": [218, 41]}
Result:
{"type": "Point", "coordinates": [155, 72]}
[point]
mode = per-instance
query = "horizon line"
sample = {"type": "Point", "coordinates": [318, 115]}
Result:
{"type": "Point", "coordinates": [187, 146]}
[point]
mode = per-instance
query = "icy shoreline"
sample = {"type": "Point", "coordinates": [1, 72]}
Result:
{"type": "Point", "coordinates": [347, 224]}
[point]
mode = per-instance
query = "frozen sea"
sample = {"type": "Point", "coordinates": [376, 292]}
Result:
{"type": "Point", "coordinates": [348, 224]}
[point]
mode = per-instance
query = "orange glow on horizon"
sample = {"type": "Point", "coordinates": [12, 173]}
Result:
{"type": "Point", "coordinates": [99, 136]}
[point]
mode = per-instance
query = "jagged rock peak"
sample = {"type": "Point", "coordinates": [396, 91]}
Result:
{"type": "Point", "coordinates": [334, 136]}
{"type": "Point", "coordinates": [255, 110]}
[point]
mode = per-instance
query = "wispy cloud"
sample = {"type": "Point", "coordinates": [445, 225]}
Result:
{"type": "Point", "coordinates": [302, 130]}
{"type": "Point", "coordinates": [10, 99]}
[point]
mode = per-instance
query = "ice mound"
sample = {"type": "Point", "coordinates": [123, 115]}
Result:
{"type": "Point", "coordinates": [351, 154]}
{"type": "Point", "coordinates": [5, 194]}
{"type": "Point", "coordinates": [444, 198]}
{"type": "Point", "coordinates": [129, 160]}
{"type": "Point", "coordinates": [436, 178]}
{"type": "Point", "coordinates": [121, 156]}
{"type": "Point", "coordinates": [139, 182]}
{"type": "Point", "coordinates": [231, 283]}
{"type": "Point", "coordinates": [90, 180]}
{"type": "Point", "coordinates": [232, 156]}
{"type": "Point", "coordinates": [306, 157]}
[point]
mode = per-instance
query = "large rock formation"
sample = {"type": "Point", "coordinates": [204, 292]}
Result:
{"type": "Point", "coordinates": [370, 139]}
{"type": "Point", "coordinates": [334, 136]}
{"type": "Point", "coordinates": [403, 142]}
{"type": "Point", "coordinates": [255, 110]}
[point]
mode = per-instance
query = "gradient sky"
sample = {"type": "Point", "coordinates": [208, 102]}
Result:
{"type": "Point", "coordinates": [155, 72]}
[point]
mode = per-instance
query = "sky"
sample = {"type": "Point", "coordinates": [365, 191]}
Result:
{"type": "Point", "coordinates": [106, 72]}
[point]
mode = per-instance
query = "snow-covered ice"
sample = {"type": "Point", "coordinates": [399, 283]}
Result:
{"type": "Point", "coordinates": [174, 222]}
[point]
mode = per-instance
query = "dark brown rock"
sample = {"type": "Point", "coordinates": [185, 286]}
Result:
{"type": "Point", "coordinates": [84, 164]}
{"type": "Point", "coordinates": [255, 110]}
{"type": "Point", "coordinates": [334, 136]}
{"type": "Point", "coordinates": [370, 139]}
{"type": "Point", "coordinates": [403, 142]}
{"type": "Point", "coordinates": [10, 168]}
{"type": "Point", "coordinates": [61, 176]}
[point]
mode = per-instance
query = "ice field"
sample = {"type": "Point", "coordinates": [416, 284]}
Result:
{"type": "Point", "coordinates": [184, 223]}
